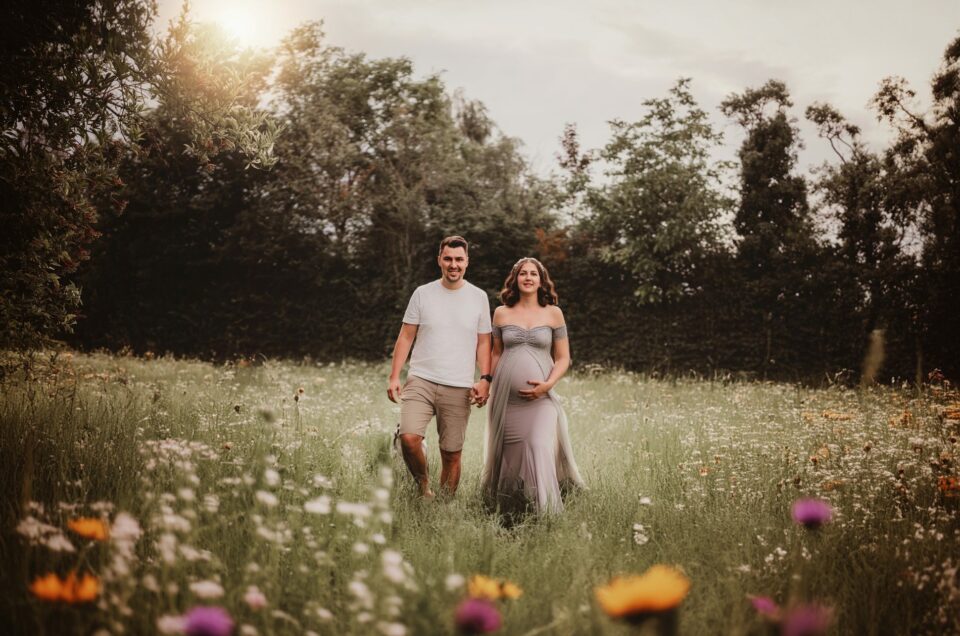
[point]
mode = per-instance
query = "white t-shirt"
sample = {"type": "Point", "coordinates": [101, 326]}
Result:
{"type": "Point", "coordinates": [448, 322]}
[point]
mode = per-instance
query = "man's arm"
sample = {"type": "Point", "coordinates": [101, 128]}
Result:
{"type": "Point", "coordinates": [481, 390]}
{"type": "Point", "coordinates": [401, 350]}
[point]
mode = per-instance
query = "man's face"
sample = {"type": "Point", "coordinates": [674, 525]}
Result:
{"type": "Point", "coordinates": [453, 263]}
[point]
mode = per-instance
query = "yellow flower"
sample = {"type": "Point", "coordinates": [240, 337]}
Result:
{"type": "Point", "coordinates": [69, 590]}
{"type": "Point", "coordinates": [490, 589]}
{"type": "Point", "coordinates": [89, 528]}
{"type": "Point", "coordinates": [510, 590]}
{"type": "Point", "coordinates": [658, 589]}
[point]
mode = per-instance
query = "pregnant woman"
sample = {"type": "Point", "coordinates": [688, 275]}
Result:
{"type": "Point", "coordinates": [528, 460]}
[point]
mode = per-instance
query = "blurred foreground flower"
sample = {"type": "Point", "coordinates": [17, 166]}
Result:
{"type": "Point", "coordinates": [89, 528]}
{"type": "Point", "coordinates": [207, 621]}
{"type": "Point", "coordinates": [635, 598]}
{"type": "Point", "coordinates": [811, 513]}
{"type": "Point", "coordinates": [766, 607]}
{"type": "Point", "coordinates": [477, 616]}
{"type": "Point", "coordinates": [69, 590]}
{"type": "Point", "coordinates": [484, 587]}
{"type": "Point", "coordinates": [806, 620]}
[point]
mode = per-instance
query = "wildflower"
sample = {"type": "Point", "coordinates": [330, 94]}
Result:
{"type": "Point", "coordinates": [89, 528]}
{"type": "Point", "coordinates": [806, 620]}
{"type": "Point", "coordinates": [766, 607]}
{"type": "Point", "coordinates": [207, 621]}
{"type": "Point", "coordinates": [454, 581]}
{"type": "Point", "coordinates": [640, 534]}
{"type": "Point", "coordinates": [477, 616]}
{"type": "Point", "coordinates": [811, 513]}
{"type": "Point", "coordinates": [949, 486]}
{"type": "Point", "coordinates": [318, 506]}
{"type": "Point", "coordinates": [645, 501]}
{"type": "Point", "coordinates": [59, 543]}
{"type": "Point", "coordinates": [255, 598]}
{"type": "Point", "coordinates": [170, 624]}
{"type": "Point", "coordinates": [207, 589]}
{"type": "Point", "coordinates": [69, 590]}
{"type": "Point", "coordinates": [392, 629]}
{"type": "Point", "coordinates": [125, 528]}
{"type": "Point", "coordinates": [659, 589]}
{"type": "Point", "coordinates": [267, 498]}
{"type": "Point", "coordinates": [484, 587]}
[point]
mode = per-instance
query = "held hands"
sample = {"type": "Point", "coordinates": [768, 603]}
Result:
{"type": "Point", "coordinates": [480, 393]}
{"type": "Point", "coordinates": [539, 390]}
{"type": "Point", "coordinates": [393, 390]}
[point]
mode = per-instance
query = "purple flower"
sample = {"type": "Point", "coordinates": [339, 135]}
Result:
{"type": "Point", "coordinates": [207, 621]}
{"type": "Point", "coordinates": [812, 513]}
{"type": "Point", "coordinates": [766, 607]}
{"type": "Point", "coordinates": [476, 616]}
{"type": "Point", "coordinates": [807, 620]}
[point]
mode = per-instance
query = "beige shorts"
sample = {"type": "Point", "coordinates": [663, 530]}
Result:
{"type": "Point", "coordinates": [421, 399]}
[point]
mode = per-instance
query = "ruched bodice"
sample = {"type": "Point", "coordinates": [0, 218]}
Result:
{"type": "Point", "coordinates": [528, 455]}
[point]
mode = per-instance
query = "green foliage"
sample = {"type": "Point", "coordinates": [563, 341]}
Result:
{"type": "Point", "coordinates": [657, 213]}
{"type": "Point", "coordinates": [75, 78]}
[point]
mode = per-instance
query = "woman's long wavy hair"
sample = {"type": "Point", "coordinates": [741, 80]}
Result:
{"type": "Point", "coordinates": [510, 294]}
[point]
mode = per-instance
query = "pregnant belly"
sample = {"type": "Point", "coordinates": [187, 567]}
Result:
{"type": "Point", "coordinates": [526, 368]}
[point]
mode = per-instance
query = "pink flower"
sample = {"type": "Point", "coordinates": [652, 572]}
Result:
{"type": "Point", "coordinates": [807, 620]}
{"type": "Point", "coordinates": [207, 621]}
{"type": "Point", "coordinates": [477, 616]}
{"type": "Point", "coordinates": [765, 607]}
{"type": "Point", "coordinates": [812, 513]}
{"type": "Point", "coordinates": [255, 598]}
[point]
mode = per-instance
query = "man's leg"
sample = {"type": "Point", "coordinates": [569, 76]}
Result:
{"type": "Point", "coordinates": [450, 472]}
{"type": "Point", "coordinates": [416, 460]}
{"type": "Point", "coordinates": [453, 413]}
{"type": "Point", "coordinates": [416, 411]}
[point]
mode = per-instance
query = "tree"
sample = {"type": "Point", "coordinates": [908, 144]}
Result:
{"type": "Point", "coordinates": [776, 247]}
{"type": "Point", "coordinates": [657, 216]}
{"type": "Point", "coordinates": [927, 165]}
{"type": "Point", "coordinates": [873, 232]}
{"type": "Point", "coordinates": [75, 77]}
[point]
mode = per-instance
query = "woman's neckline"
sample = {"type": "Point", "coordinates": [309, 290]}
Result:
{"type": "Point", "coordinates": [510, 324]}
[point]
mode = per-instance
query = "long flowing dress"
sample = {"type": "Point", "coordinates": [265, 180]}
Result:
{"type": "Point", "coordinates": [528, 459]}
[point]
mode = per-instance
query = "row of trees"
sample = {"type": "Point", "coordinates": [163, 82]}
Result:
{"type": "Point", "coordinates": [316, 184]}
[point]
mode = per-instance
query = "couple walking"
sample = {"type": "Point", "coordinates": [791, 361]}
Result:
{"type": "Point", "coordinates": [527, 453]}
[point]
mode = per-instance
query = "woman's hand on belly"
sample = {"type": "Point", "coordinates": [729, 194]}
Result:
{"type": "Point", "coordinates": [538, 391]}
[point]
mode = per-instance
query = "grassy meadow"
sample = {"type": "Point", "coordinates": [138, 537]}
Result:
{"type": "Point", "coordinates": [272, 490]}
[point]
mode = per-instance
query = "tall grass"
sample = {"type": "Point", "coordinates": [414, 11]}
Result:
{"type": "Point", "coordinates": [235, 475]}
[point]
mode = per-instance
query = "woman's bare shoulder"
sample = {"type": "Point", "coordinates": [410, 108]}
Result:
{"type": "Point", "coordinates": [556, 316]}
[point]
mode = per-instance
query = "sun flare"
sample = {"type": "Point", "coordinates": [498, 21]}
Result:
{"type": "Point", "coordinates": [239, 22]}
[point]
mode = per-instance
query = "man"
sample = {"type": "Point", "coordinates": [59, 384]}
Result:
{"type": "Point", "coordinates": [447, 323]}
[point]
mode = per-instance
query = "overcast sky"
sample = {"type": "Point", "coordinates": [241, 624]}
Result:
{"type": "Point", "coordinates": [538, 65]}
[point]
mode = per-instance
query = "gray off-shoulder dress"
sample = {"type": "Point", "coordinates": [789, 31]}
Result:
{"type": "Point", "coordinates": [528, 459]}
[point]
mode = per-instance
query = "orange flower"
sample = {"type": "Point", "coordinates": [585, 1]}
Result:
{"type": "Point", "coordinates": [69, 590]}
{"type": "Point", "coordinates": [659, 589]}
{"type": "Point", "coordinates": [89, 528]}
{"type": "Point", "coordinates": [949, 486]}
{"type": "Point", "coordinates": [491, 589]}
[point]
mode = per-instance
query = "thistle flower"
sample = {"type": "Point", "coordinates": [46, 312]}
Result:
{"type": "Point", "coordinates": [207, 621]}
{"type": "Point", "coordinates": [659, 589]}
{"type": "Point", "coordinates": [89, 528]}
{"type": "Point", "coordinates": [477, 616]}
{"type": "Point", "coordinates": [807, 620]}
{"type": "Point", "coordinates": [811, 513]}
{"type": "Point", "coordinates": [766, 607]}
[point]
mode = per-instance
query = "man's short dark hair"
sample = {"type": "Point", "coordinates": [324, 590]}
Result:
{"type": "Point", "coordinates": [455, 241]}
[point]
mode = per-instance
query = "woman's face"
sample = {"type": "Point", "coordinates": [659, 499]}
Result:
{"type": "Point", "coordinates": [528, 278]}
